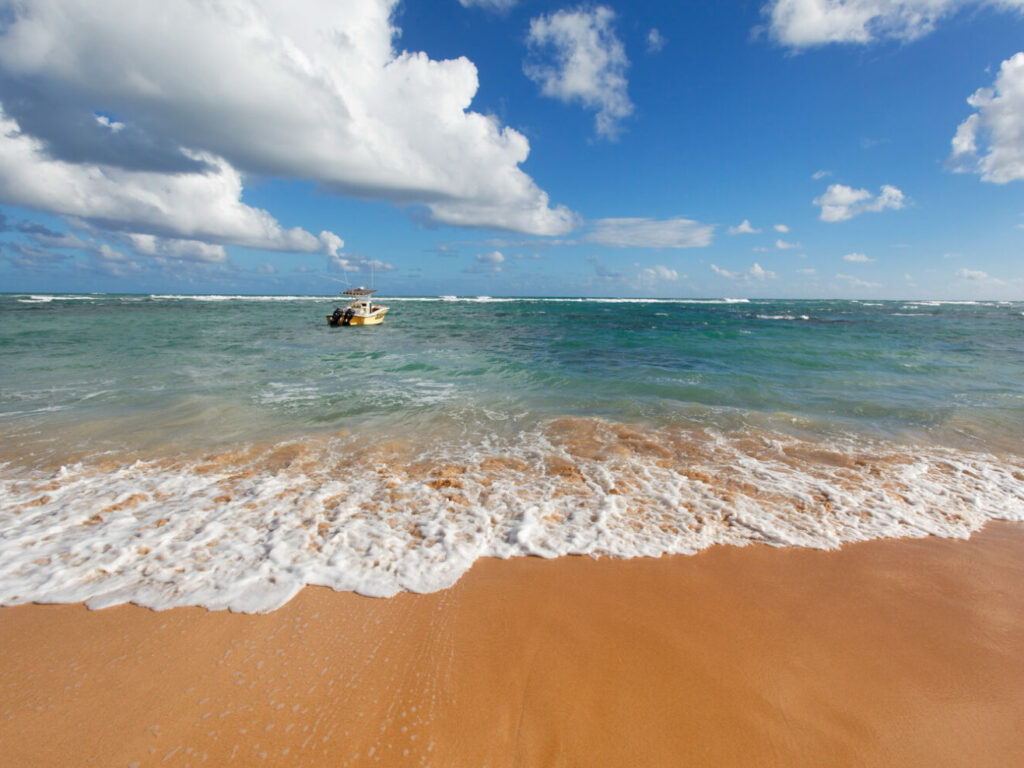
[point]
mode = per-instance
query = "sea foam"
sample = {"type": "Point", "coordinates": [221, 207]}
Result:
{"type": "Point", "coordinates": [246, 530]}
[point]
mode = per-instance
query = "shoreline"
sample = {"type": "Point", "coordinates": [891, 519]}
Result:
{"type": "Point", "coordinates": [884, 653]}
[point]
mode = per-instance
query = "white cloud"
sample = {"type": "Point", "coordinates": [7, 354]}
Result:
{"type": "Point", "coordinates": [661, 272]}
{"type": "Point", "coordinates": [655, 41]}
{"type": "Point", "coordinates": [744, 228]}
{"type": "Point", "coordinates": [856, 282]}
{"type": "Point", "coordinates": [971, 274]}
{"type": "Point", "coordinates": [184, 250]}
{"type": "Point", "coordinates": [589, 63]}
{"type": "Point", "coordinates": [841, 202]}
{"type": "Point", "coordinates": [108, 261]}
{"type": "Point", "coordinates": [354, 262]}
{"type": "Point", "coordinates": [756, 272]}
{"type": "Point", "coordinates": [807, 271]}
{"type": "Point", "coordinates": [315, 92]}
{"type": "Point", "coordinates": [821, 174]}
{"type": "Point", "coordinates": [857, 258]}
{"type": "Point", "coordinates": [980, 276]}
{"type": "Point", "coordinates": [491, 5]}
{"type": "Point", "coordinates": [31, 258]}
{"type": "Point", "coordinates": [487, 264]}
{"type": "Point", "coordinates": [725, 273]}
{"type": "Point", "coordinates": [375, 265]}
{"type": "Point", "coordinates": [266, 269]}
{"type": "Point", "coordinates": [63, 240]}
{"type": "Point", "coordinates": [651, 233]}
{"type": "Point", "coordinates": [112, 125]}
{"type": "Point", "coordinates": [331, 243]}
{"type": "Point", "coordinates": [803, 23]}
{"type": "Point", "coordinates": [193, 206]}
{"type": "Point", "coordinates": [782, 245]}
{"type": "Point", "coordinates": [781, 228]}
{"type": "Point", "coordinates": [998, 125]}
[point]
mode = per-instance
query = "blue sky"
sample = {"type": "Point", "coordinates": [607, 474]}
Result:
{"type": "Point", "coordinates": [785, 148]}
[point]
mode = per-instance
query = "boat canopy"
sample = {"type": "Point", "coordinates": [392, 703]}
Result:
{"type": "Point", "coordinates": [359, 291]}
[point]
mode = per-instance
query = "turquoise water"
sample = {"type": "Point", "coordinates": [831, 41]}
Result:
{"type": "Point", "coordinates": [260, 368]}
{"type": "Point", "coordinates": [472, 427]}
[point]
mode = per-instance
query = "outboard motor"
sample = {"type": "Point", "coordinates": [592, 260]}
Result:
{"type": "Point", "coordinates": [347, 318]}
{"type": "Point", "coordinates": [336, 317]}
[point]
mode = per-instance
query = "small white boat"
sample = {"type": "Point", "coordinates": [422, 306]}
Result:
{"type": "Point", "coordinates": [360, 311]}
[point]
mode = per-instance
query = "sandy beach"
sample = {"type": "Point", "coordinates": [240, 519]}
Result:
{"type": "Point", "coordinates": [887, 653]}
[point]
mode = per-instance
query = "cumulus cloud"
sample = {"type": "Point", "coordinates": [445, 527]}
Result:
{"type": "Point", "coordinates": [30, 257]}
{"type": "Point", "coordinates": [655, 41]}
{"type": "Point", "coordinates": [756, 272]}
{"type": "Point", "coordinates": [112, 262]}
{"type": "Point", "coordinates": [841, 202]}
{"type": "Point", "coordinates": [194, 206]}
{"type": "Point", "coordinates": [781, 228]}
{"type": "Point", "coordinates": [805, 23]}
{"type": "Point", "coordinates": [971, 274]}
{"type": "Point", "coordinates": [577, 57]}
{"type": "Point", "coordinates": [981, 277]}
{"type": "Point", "coordinates": [491, 5]}
{"type": "Point", "coordinates": [490, 263]}
{"type": "Point", "coordinates": [171, 248]}
{"type": "Point", "coordinates": [856, 282]}
{"type": "Point", "coordinates": [65, 240]}
{"type": "Point", "coordinates": [997, 126]}
{"type": "Point", "coordinates": [317, 93]}
{"type": "Point", "coordinates": [659, 272]}
{"type": "Point", "coordinates": [651, 233]}
{"type": "Point", "coordinates": [355, 262]}
{"type": "Point", "coordinates": [112, 125]}
{"type": "Point", "coordinates": [651, 278]}
{"type": "Point", "coordinates": [744, 228]}
{"type": "Point", "coordinates": [857, 258]}
{"type": "Point", "coordinates": [105, 259]}
{"type": "Point", "coordinates": [782, 245]}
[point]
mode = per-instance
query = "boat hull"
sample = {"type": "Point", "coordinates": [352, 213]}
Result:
{"type": "Point", "coordinates": [375, 318]}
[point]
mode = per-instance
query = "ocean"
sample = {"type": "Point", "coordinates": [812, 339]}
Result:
{"type": "Point", "coordinates": [225, 451]}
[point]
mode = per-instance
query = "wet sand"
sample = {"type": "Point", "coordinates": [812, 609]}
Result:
{"type": "Point", "coordinates": [887, 653]}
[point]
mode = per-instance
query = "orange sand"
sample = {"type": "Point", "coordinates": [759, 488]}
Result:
{"type": "Point", "coordinates": [890, 653]}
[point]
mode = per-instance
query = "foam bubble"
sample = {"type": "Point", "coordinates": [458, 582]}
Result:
{"type": "Point", "coordinates": [246, 530]}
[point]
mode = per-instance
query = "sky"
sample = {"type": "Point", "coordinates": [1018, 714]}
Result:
{"type": "Point", "coordinates": [869, 149]}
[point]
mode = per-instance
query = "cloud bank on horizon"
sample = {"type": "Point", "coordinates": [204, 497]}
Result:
{"type": "Point", "coordinates": [147, 130]}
